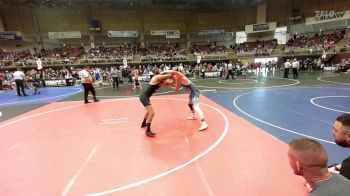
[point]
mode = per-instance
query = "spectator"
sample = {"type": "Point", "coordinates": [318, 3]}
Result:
{"type": "Point", "coordinates": [2, 78]}
{"type": "Point", "coordinates": [341, 133]}
{"type": "Point", "coordinates": [309, 159]}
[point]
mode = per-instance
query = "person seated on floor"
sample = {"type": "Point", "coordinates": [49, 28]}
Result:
{"type": "Point", "coordinates": [308, 159]}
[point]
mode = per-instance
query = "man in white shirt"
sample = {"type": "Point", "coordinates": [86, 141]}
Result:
{"type": "Point", "coordinates": [181, 68]}
{"type": "Point", "coordinates": [230, 71]}
{"type": "Point", "coordinates": [86, 80]}
{"type": "Point", "coordinates": [287, 65]}
{"type": "Point", "coordinates": [295, 67]}
{"type": "Point", "coordinates": [19, 76]}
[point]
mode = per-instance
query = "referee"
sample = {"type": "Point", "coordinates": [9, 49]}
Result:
{"type": "Point", "coordinates": [86, 80]}
{"type": "Point", "coordinates": [19, 76]}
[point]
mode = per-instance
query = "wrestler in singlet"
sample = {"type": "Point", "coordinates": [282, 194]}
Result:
{"type": "Point", "coordinates": [193, 104]}
{"type": "Point", "coordinates": [147, 93]}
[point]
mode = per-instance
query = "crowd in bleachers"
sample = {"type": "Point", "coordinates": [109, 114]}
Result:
{"type": "Point", "coordinates": [314, 43]}
{"type": "Point", "coordinates": [346, 48]}
{"type": "Point", "coordinates": [208, 49]}
{"type": "Point", "coordinates": [259, 48]}
{"type": "Point", "coordinates": [311, 43]}
{"type": "Point", "coordinates": [116, 54]}
{"type": "Point", "coordinates": [343, 66]}
{"type": "Point", "coordinates": [163, 53]}
{"type": "Point", "coordinates": [7, 57]}
{"type": "Point", "coordinates": [62, 53]}
{"type": "Point", "coordinates": [347, 45]}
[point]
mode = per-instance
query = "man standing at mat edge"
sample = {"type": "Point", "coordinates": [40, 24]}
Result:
{"type": "Point", "coordinates": [86, 80]}
{"type": "Point", "coordinates": [287, 65]}
{"type": "Point", "coordinates": [19, 77]}
{"type": "Point", "coordinates": [341, 134]}
{"type": "Point", "coordinates": [295, 68]}
{"type": "Point", "coordinates": [309, 159]}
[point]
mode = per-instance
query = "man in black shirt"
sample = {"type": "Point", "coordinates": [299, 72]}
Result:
{"type": "Point", "coordinates": [341, 133]}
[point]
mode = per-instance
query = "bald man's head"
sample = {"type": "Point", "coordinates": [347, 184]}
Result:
{"type": "Point", "coordinates": [307, 155]}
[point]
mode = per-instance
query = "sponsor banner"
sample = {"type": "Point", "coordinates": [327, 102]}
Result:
{"type": "Point", "coordinates": [144, 78]}
{"type": "Point", "coordinates": [329, 68]}
{"type": "Point", "coordinates": [10, 36]}
{"type": "Point", "coordinates": [327, 16]}
{"type": "Point", "coordinates": [172, 34]}
{"type": "Point", "coordinates": [54, 35]}
{"type": "Point", "coordinates": [55, 83]}
{"type": "Point", "coordinates": [261, 27]}
{"type": "Point", "coordinates": [254, 28]}
{"type": "Point", "coordinates": [123, 34]}
{"type": "Point", "coordinates": [211, 32]}
{"type": "Point", "coordinates": [158, 32]}
{"type": "Point", "coordinates": [65, 35]}
{"type": "Point", "coordinates": [215, 74]}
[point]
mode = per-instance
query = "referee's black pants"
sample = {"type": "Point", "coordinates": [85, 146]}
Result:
{"type": "Point", "coordinates": [88, 88]}
{"type": "Point", "coordinates": [20, 87]}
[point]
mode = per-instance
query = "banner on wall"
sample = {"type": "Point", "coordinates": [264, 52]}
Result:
{"type": "Point", "coordinates": [241, 37]}
{"type": "Point", "coordinates": [10, 36]}
{"type": "Point", "coordinates": [327, 16]}
{"type": "Point", "coordinates": [214, 74]}
{"type": "Point", "coordinates": [211, 32]}
{"type": "Point", "coordinates": [261, 27]}
{"type": "Point", "coordinates": [55, 83]}
{"type": "Point", "coordinates": [123, 33]}
{"type": "Point", "coordinates": [65, 35]}
{"type": "Point", "coordinates": [281, 35]}
{"type": "Point", "coordinates": [158, 32]}
{"type": "Point", "coordinates": [172, 34]}
{"type": "Point", "coordinates": [255, 28]}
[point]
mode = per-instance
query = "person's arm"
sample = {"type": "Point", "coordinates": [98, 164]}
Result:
{"type": "Point", "coordinates": [178, 85]}
{"type": "Point", "coordinates": [345, 168]}
{"type": "Point", "coordinates": [160, 78]}
{"type": "Point", "coordinates": [168, 72]}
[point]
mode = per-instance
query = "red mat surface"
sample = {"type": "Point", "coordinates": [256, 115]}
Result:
{"type": "Point", "coordinates": [67, 148]}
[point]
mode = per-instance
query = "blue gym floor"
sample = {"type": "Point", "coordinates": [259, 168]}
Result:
{"type": "Point", "coordinates": [287, 113]}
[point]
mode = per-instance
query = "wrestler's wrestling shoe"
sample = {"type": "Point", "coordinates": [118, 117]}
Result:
{"type": "Point", "coordinates": [150, 134]}
{"type": "Point", "coordinates": [192, 117]}
{"type": "Point", "coordinates": [203, 127]}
